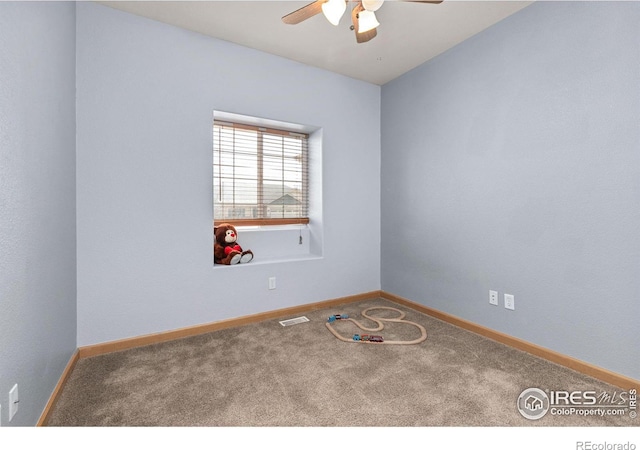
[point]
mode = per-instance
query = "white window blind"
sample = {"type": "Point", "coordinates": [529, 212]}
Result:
{"type": "Point", "coordinates": [260, 175]}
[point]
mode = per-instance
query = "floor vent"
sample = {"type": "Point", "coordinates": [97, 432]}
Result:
{"type": "Point", "coordinates": [295, 321]}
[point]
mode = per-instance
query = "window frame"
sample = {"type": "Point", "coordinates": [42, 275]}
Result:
{"type": "Point", "coordinates": [264, 221]}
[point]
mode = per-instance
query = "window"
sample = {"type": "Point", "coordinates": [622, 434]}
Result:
{"type": "Point", "coordinates": [260, 175]}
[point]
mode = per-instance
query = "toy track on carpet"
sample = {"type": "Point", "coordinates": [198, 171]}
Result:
{"type": "Point", "coordinates": [375, 339]}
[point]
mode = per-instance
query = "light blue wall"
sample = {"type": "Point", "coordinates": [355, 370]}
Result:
{"type": "Point", "coordinates": [512, 162]}
{"type": "Point", "coordinates": [146, 93]}
{"type": "Point", "coordinates": [37, 202]}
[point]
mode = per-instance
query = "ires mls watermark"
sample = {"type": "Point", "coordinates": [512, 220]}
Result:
{"type": "Point", "coordinates": [534, 403]}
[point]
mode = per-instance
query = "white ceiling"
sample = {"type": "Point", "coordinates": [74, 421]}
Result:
{"type": "Point", "coordinates": [409, 34]}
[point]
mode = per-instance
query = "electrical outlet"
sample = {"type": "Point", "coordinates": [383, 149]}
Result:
{"type": "Point", "coordinates": [272, 282]}
{"type": "Point", "coordinates": [493, 297]}
{"type": "Point", "coordinates": [509, 302]}
{"type": "Point", "coordinates": [13, 401]}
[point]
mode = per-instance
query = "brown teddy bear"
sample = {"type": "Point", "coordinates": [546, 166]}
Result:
{"type": "Point", "coordinates": [226, 249]}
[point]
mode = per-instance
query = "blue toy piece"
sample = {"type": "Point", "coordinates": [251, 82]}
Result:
{"type": "Point", "coordinates": [366, 337]}
{"type": "Point", "coordinates": [337, 317]}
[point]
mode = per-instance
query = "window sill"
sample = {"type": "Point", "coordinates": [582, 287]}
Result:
{"type": "Point", "coordinates": [279, 244]}
{"type": "Point", "coordinates": [258, 261]}
{"type": "Point", "coordinates": [280, 227]}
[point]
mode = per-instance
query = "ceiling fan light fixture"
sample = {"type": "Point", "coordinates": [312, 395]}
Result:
{"type": "Point", "coordinates": [367, 21]}
{"type": "Point", "coordinates": [372, 5]}
{"type": "Point", "coordinates": [333, 10]}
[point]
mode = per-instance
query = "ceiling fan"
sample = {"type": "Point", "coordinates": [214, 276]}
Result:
{"type": "Point", "coordinates": [363, 17]}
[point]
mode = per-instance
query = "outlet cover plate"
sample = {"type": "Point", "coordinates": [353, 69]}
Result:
{"type": "Point", "coordinates": [509, 302]}
{"type": "Point", "coordinates": [493, 297]}
{"type": "Point", "coordinates": [13, 401]}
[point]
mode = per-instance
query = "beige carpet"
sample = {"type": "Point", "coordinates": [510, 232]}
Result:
{"type": "Point", "coordinates": [268, 375]}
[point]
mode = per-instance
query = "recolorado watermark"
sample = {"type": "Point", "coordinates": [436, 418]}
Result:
{"type": "Point", "coordinates": [588, 445]}
{"type": "Point", "coordinates": [534, 404]}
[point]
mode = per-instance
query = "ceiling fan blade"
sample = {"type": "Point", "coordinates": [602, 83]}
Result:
{"type": "Point", "coordinates": [304, 13]}
{"type": "Point", "coordinates": [367, 35]}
